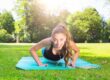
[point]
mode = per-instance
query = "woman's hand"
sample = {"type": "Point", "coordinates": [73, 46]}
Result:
{"type": "Point", "coordinates": [71, 64]}
{"type": "Point", "coordinates": [43, 65]}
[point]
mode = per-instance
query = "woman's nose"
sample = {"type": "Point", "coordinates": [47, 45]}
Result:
{"type": "Point", "coordinates": [58, 43]}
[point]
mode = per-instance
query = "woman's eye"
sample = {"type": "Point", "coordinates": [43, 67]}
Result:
{"type": "Point", "coordinates": [55, 40]}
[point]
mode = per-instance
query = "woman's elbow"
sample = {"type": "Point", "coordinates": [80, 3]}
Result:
{"type": "Point", "coordinates": [77, 51]}
{"type": "Point", "coordinates": [31, 50]}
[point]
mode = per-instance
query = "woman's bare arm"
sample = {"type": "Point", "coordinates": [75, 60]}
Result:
{"type": "Point", "coordinates": [76, 50]}
{"type": "Point", "coordinates": [37, 46]}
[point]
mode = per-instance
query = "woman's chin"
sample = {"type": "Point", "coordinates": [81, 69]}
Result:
{"type": "Point", "coordinates": [58, 48]}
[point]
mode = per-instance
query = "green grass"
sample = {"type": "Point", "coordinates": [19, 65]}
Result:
{"type": "Point", "coordinates": [97, 53]}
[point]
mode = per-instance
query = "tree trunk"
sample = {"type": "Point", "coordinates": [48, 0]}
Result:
{"type": "Point", "coordinates": [17, 38]}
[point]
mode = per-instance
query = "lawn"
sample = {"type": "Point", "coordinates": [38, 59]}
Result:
{"type": "Point", "coordinates": [98, 53]}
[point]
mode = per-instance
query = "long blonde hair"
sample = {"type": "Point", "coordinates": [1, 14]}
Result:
{"type": "Point", "coordinates": [66, 50]}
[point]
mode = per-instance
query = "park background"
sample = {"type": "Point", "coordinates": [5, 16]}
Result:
{"type": "Point", "coordinates": [25, 22]}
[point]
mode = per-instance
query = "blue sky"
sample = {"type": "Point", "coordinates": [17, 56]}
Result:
{"type": "Point", "coordinates": [55, 6]}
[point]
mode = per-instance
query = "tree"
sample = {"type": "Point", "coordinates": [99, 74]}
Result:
{"type": "Point", "coordinates": [40, 23]}
{"type": "Point", "coordinates": [7, 22]}
{"type": "Point", "coordinates": [35, 24]}
{"type": "Point", "coordinates": [17, 30]}
{"type": "Point", "coordinates": [63, 16]}
{"type": "Point", "coordinates": [107, 30]}
{"type": "Point", "coordinates": [86, 25]}
{"type": "Point", "coordinates": [5, 36]}
{"type": "Point", "coordinates": [22, 9]}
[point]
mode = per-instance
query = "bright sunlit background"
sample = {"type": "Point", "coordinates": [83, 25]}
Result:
{"type": "Point", "coordinates": [77, 5]}
{"type": "Point", "coordinates": [55, 6]}
{"type": "Point", "coordinates": [31, 21]}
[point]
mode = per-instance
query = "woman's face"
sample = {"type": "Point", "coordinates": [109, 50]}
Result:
{"type": "Point", "coordinates": [59, 40]}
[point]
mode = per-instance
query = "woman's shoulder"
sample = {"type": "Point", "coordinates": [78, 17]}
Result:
{"type": "Point", "coordinates": [43, 43]}
{"type": "Point", "coordinates": [47, 41]}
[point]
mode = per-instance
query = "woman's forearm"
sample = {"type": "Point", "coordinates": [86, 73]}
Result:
{"type": "Point", "coordinates": [35, 56]}
{"type": "Point", "coordinates": [74, 58]}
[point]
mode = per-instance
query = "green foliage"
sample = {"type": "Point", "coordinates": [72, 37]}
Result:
{"type": "Point", "coordinates": [39, 23]}
{"type": "Point", "coordinates": [107, 30]}
{"type": "Point", "coordinates": [86, 25]}
{"type": "Point", "coordinates": [7, 22]}
{"type": "Point", "coordinates": [34, 23]}
{"type": "Point", "coordinates": [22, 10]}
{"type": "Point", "coordinates": [63, 15]}
{"type": "Point", "coordinates": [4, 36]}
{"type": "Point", "coordinates": [17, 27]}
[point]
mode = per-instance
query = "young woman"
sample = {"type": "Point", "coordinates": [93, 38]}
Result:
{"type": "Point", "coordinates": [61, 46]}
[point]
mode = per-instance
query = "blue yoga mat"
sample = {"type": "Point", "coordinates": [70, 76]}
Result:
{"type": "Point", "coordinates": [28, 63]}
